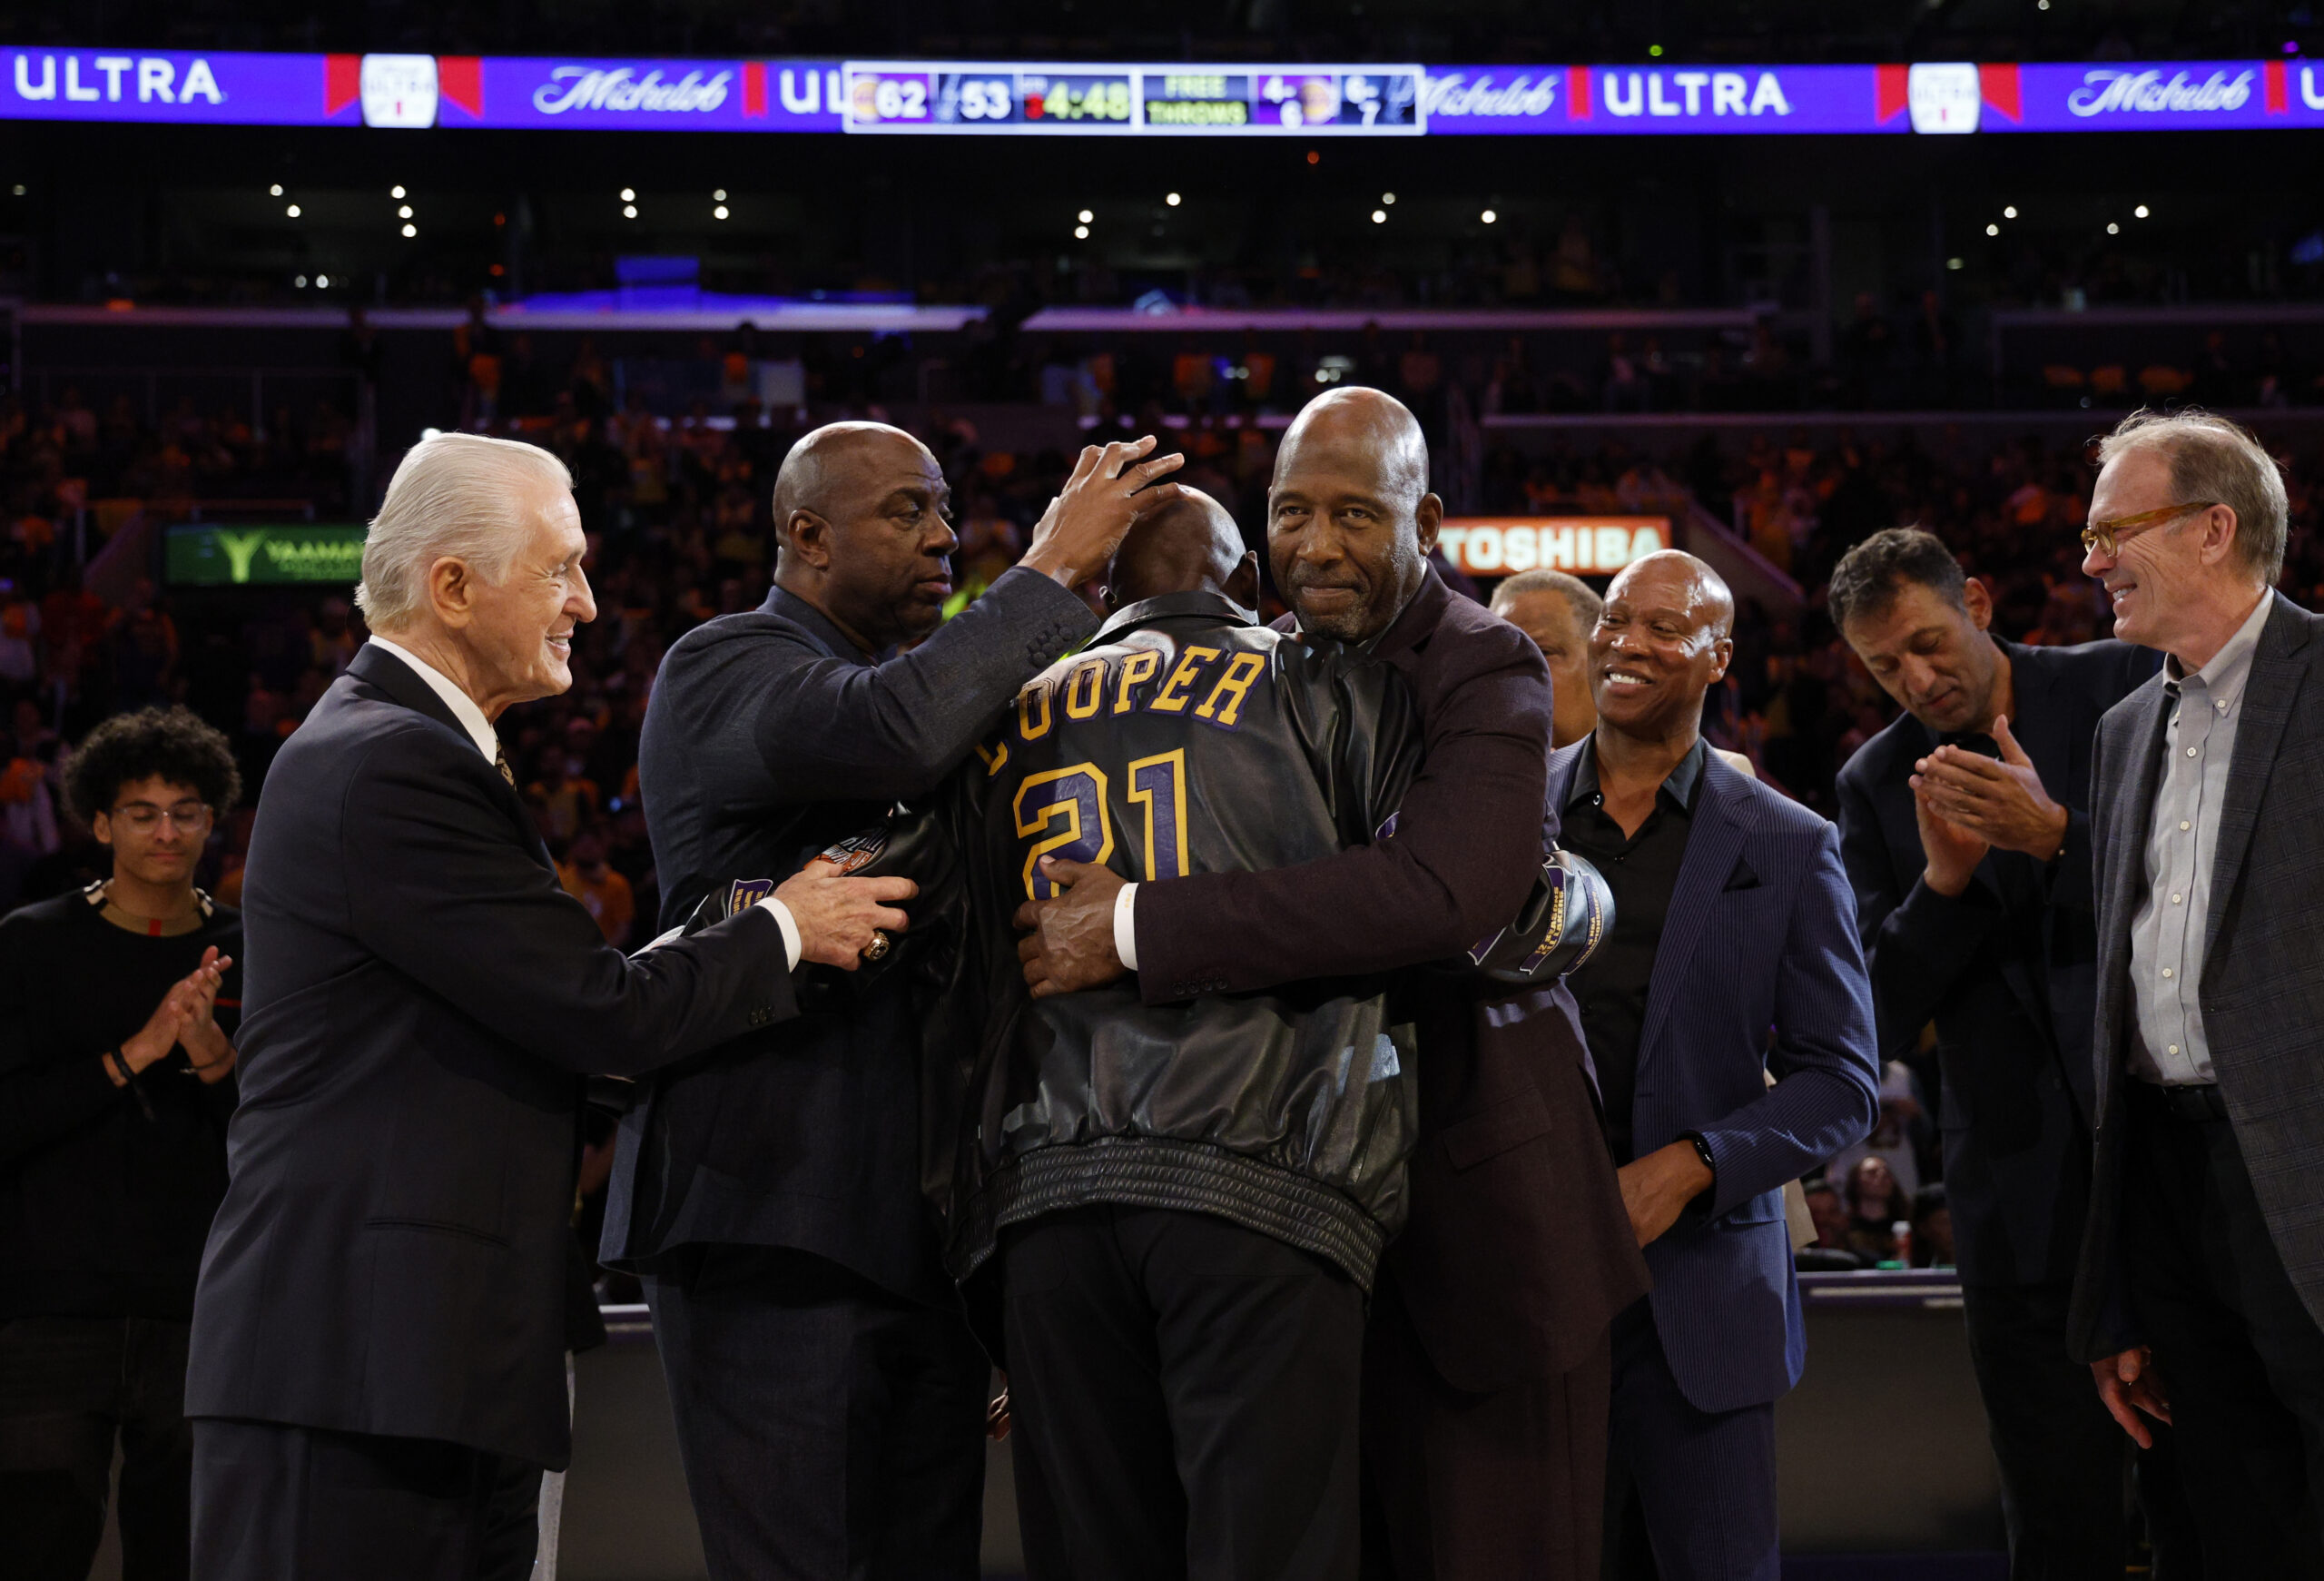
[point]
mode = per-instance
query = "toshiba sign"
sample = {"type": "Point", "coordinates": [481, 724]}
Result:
{"type": "Point", "coordinates": [1497, 546]}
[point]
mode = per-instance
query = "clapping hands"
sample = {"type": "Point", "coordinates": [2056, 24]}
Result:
{"type": "Point", "coordinates": [186, 1016]}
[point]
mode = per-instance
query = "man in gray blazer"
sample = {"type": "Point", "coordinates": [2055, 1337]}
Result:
{"type": "Point", "coordinates": [2202, 1271]}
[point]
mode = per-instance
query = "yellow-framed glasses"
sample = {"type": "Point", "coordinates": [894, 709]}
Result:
{"type": "Point", "coordinates": [2106, 536]}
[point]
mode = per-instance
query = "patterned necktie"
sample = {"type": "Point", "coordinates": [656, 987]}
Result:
{"type": "Point", "coordinates": [501, 762]}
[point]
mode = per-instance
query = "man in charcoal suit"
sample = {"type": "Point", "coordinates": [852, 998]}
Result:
{"type": "Point", "coordinates": [828, 1397]}
{"type": "Point", "coordinates": [1985, 926]}
{"type": "Point", "coordinates": [2202, 1279]}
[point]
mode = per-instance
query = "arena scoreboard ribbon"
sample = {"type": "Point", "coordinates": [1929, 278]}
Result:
{"type": "Point", "coordinates": [1131, 100]}
{"type": "Point", "coordinates": [1932, 98]}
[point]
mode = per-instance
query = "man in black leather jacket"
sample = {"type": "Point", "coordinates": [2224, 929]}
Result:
{"type": "Point", "coordinates": [1187, 1202]}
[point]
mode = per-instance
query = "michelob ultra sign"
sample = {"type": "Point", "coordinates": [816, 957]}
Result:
{"type": "Point", "coordinates": [203, 556]}
{"type": "Point", "coordinates": [1500, 545]}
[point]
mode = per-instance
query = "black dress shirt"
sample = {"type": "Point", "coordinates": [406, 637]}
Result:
{"type": "Point", "coordinates": [1643, 869]}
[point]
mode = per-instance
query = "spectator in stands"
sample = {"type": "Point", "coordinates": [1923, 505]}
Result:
{"type": "Point", "coordinates": [589, 879]}
{"type": "Point", "coordinates": [117, 1008]}
{"type": "Point", "coordinates": [1877, 1204]}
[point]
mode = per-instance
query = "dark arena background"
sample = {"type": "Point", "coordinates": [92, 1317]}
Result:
{"type": "Point", "coordinates": [1754, 279]}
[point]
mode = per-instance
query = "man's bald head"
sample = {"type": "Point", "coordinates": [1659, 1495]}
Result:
{"type": "Point", "coordinates": [1191, 545]}
{"type": "Point", "coordinates": [860, 513]}
{"type": "Point", "coordinates": [1686, 576]}
{"type": "Point", "coordinates": [1350, 519]}
{"type": "Point", "coordinates": [1376, 425]}
{"type": "Point", "coordinates": [826, 465]}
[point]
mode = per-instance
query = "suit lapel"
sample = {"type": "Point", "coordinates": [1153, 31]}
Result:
{"type": "Point", "coordinates": [2128, 808]}
{"type": "Point", "coordinates": [2043, 723]}
{"type": "Point", "coordinates": [384, 670]}
{"type": "Point", "coordinates": [2269, 692]}
{"type": "Point", "coordinates": [1714, 845]}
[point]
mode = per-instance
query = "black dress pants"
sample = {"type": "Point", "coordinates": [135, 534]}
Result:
{"type": "Point", "coordinates": [2065, 1462]}
{"type": "Point", "coordinates": [2241, 1358]}
{"type": "Point", "coordinates": [829, 1428]}
{"type": "Point", "coordinates": [1189, 1391]}
{"type": "Point", "coordinates": [1461, 1487]}
{"type": "Point", "coordinates": [275, 1502]}
{"type": "Point", "coordinates": [69, 1387]}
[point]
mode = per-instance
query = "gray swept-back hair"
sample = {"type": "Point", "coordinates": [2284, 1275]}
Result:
{"type": "Point", "coordinates": [461, 496]}
{"type": "Point", "coordinates": [2213, 458]}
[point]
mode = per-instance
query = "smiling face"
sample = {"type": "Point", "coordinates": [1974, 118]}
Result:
{"type": "Point", "coordinates": [517, 632]}
{"type": "Point", "coordinates": [1933, 657]}
{"type": "Point", "coordinates": [1350, 521]}
{"type": "Point", "coordinates": [1659, 646]}
{"type": "Point", "coordinates": [2159, 575]}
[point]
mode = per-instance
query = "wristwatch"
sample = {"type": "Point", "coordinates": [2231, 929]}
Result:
{"type": "Point", "coordinates": [1702, 1151]}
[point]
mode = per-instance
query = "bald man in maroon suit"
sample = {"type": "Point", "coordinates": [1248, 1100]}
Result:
{"type": "Point", "coordinates": [1487, 1365]}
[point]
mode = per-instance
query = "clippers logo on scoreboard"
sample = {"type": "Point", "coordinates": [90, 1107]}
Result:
{"type": "Point", "coordinates": [1499, 546]}
{"type": "Point", "coordinates": [399, 90]}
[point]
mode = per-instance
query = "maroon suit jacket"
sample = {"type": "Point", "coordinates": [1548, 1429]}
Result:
{"type": "Point", "coordinates": [1518, 1252]}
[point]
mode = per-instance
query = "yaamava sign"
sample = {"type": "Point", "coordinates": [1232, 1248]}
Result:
{"type": "Point", "coordinates": [199, 554]}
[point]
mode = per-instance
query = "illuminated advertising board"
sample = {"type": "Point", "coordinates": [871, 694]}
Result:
{"type": "Point", "coordinates": [887, 97]}
{"type": "Point", "coordinates": [1500, 545]}
{"type": "Point", "coordinates": [203, 556]}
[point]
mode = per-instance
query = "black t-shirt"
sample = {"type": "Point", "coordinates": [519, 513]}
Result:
{"type": "Point", "coordinates": [1642, 870]}
{"type": "Point", "coordinates": [106, 1192]}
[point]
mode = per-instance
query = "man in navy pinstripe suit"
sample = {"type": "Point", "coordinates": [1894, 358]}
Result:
{"type": "Point", "coordinates": [1732, 915]}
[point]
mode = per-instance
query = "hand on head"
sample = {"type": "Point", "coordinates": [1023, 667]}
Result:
{"type": "Point", "coordinates": [1188, 545]}
{"type": "Point", "coordinates": [1110, 490]}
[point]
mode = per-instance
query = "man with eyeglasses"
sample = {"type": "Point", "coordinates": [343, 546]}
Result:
{"type": "Point", "coordinates": [117, 1007]}
{"type": "Point", "coordinates": [2201, 1281]}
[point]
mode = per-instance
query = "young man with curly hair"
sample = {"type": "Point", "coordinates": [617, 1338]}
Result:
{"type": "Point", "coordinates": [117, 1007]}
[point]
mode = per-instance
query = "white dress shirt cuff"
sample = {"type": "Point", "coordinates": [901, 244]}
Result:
{"type": "Point", "coordinates": [1125, 924]}
{"type": "Point", "coordinates": [790, 926]}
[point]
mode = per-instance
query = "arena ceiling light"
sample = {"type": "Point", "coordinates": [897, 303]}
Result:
{"type": "Point", "coordinates": [411, 230]}
{"type": "Point", "coordinates": [322, 282]}
{"type": "Point", "coordinates": [275, 190]}
{"type": "Point", "coordinates": [719, 212]}
{"type": "Point", "coordinates": [404, 212]}
{"type": "Point", "coordinates": [300, 282]}
{"type": "Point", "coordinates": [2112, 229]}
{"type": "Point", "coordinates": [1172, 199]}
{"type": "Point", "coordinates": [719, 196]}
{"type": "Point", "coordinates": [2141, 211]}
{"type": "Point", "coordinates": [2009, 211]}
{"type": "Point", "coordinates": [1489, 216]}
{"type": "Point", "coordinates": [1379, 216]}
{"type": "Point", "coordinates": [1081, 233]}
{"type": "Point", "coordinates": [292, 211]}
{"type": "Point", "coordinates": [1085, 216]}
{"type": "Point", "coordinates": [628, 194]}
{"type": "Point", "coordinates": [396, 193]}
{"type": "Point", "coordinates": [1387, 197]}
{"type": "Point", "coordinates": [1992, 229]}
{"type": "Point", "coordinates": [629, 211]}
